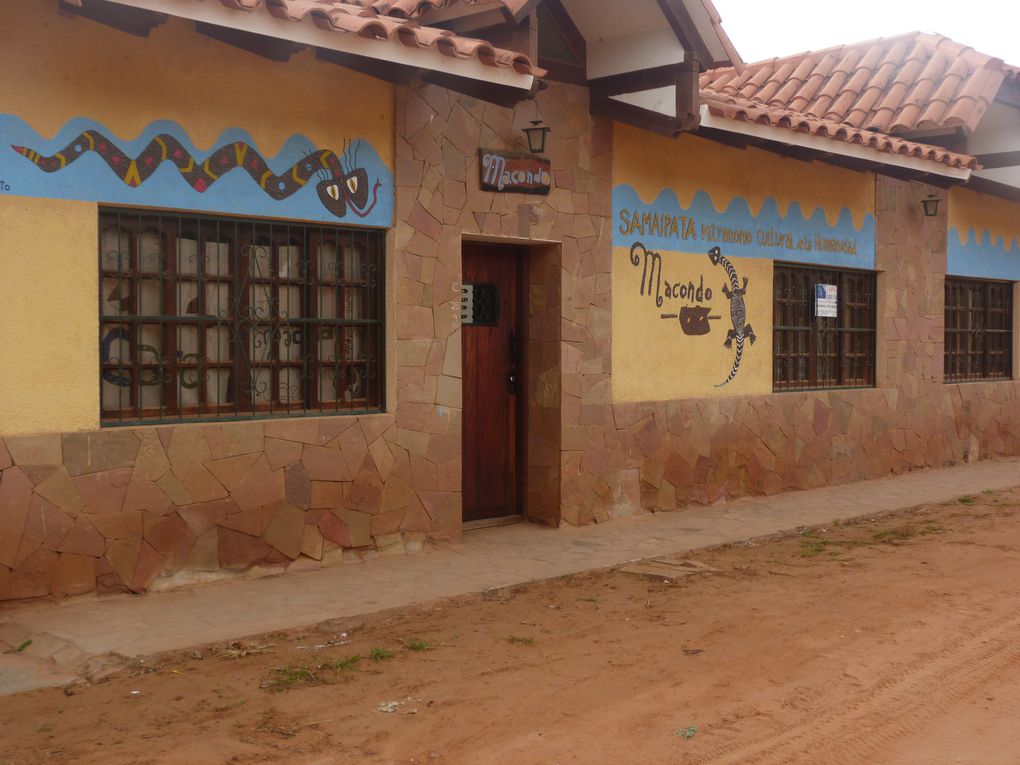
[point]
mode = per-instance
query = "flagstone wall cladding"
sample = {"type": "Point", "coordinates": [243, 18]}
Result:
{"type": "Point", "coordinates": [112, 510]}
{"type": "Point", "coordinates": [439, 203]}
{"type": "Point", "coordinates": [115, 509]}
{"type": "Point", "coordinates": [707, 450]}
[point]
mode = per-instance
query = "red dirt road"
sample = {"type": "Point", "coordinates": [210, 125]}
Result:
{"type": "Point", "coordinates": [887, 642]}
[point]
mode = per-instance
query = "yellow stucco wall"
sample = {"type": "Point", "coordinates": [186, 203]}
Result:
{"type": "Point", "coordinates": [688, 164]}
{"type": "Point", "coordinates": [972, 210]}
{"type": "Point", "coordinates": [655, 359]}
{"type": "Point", "coordinates": [49, 298]}
{"type": "Point", "coordinates": [54, 67]}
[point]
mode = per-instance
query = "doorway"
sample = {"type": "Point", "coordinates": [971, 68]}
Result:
{"type": "Point", "coordinates": [493, 341]}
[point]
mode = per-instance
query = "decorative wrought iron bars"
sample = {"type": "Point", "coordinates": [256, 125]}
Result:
{"type": "Point", "coordinates": [205, 317]}
{"type": "Point", "coordinates": [979, 330]}
{"type": "Point", "coordinates": [812, 352]}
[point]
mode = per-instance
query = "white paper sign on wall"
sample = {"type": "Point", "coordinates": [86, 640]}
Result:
{"type": "Point", "coordinates": [825, 301]}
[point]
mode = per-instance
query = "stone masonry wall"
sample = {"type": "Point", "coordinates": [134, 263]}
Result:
{"type": "Point", "coordinates": [114, 509]}
{"type": "Point", "coordinates": [706, 450]}
{"type": "Point", "coordinates": [439, 203]}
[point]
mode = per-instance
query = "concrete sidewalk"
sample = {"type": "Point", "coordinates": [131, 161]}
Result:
{"type": "Point", "coordinates": [65, 634]}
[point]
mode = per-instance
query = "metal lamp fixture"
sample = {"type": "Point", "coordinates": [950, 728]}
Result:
{"type": "Point", "coordinates": [930, 205]}
{"type": "Point", "coordinates": [536, 134]}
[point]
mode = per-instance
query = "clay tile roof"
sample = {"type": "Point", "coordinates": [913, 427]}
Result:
{"type": "Point", "coordinates": [745, 110]}
{"type": "Point", "coordinates": [391, 21]}
{"type": "Point", "coordinates": [894, 85]}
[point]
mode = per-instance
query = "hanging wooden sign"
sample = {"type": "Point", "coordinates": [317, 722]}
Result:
{"type": "Point", "coordinates": [509, 172]}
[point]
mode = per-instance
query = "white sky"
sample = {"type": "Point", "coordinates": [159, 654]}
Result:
{"type": "Point", "coordinates": [763, 29]}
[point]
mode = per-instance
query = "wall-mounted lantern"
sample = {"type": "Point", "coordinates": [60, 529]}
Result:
{"type": "Point", "coordinates": [930, 205]}
{"type": "Point", "coordinates": [536, 134]}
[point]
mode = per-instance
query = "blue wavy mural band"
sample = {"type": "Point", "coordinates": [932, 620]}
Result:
{"type": "Point", "coordinates": [162, 167]}
{"type": "Point", "coordinates": [985, 259]}
{"type": "Point", "coordinates": [666, 225]}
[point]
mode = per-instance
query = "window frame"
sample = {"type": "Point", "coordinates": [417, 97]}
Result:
{"type": "Point", "coordinates": [957, 360]}
{"type": "Point", "coordinates": [851, 343]}
{"type": "Point", "coordinates": [168, 341]}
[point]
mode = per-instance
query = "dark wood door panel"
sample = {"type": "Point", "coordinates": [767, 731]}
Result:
{"type": "Point", "coordinates": [490, 419]}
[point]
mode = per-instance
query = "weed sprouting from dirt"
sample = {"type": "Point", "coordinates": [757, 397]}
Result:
{"type": "Point", "coordinates": [418, 645]}
{"type": "Point", "coordinates": [517, 640]}
{"type": "Point", "coordinates": [239, 650]}
{"type": "Point", "coordinates": [346, 664]}
{"type": "Point", "coordinates": [967, 499]}
{"type": "Point", "coordinates": [380, 654]}
{"type": "Point", "coordinates": [286, 678]}
{"type": "Point", "coordinates": [894, 535]}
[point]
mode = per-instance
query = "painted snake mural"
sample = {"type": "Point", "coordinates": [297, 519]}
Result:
{"type": "Point", "coordinates": [738, 311]}
{"type": "Point", "coordinates": [341, 184]}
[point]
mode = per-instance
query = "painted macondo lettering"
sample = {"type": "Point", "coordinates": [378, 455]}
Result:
{"type": "Point", "coordinates": [651, 269]}
{"type": "Point", "coordinates": [497, 175]}
{"type": "Point", "coordinates": [5, 186]}
{"type": "Point", "coordinates": [648, 223]}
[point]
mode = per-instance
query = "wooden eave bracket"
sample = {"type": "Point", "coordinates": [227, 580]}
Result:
{"type": "Point", "coordinates": [686, 30]}
{"type": "Point", "coordinates": [134, 21]}
{"type": "Point", "coordinates": [999, 159]}
{"type": "Point", "coordinates": [271, 48]}
{"type": "Point", "coordinates": [521, 9]}
{"type": "Point", "coordinates": [1009, 93]}
{"type": "Point", "coordinates": [682, 77]}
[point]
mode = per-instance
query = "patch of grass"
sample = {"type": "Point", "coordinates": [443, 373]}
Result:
{"type": "Point", "coordinates": [380, 654]}
{"type": "Point", "coordinates": [417, 644]}
{"type": "Point", "coordinates": [45, 728]}
{"type": "Point", "coordinates": [516, 640]}
{"type": "Point", "coordinates": [346, 664]}
{"type": "Point", "coordinates": [589, 600]}
{"type": "Point", "coordinates": [290, 677]}
{"type": "Point", "coordinates": [966, 499]}
{"type": "Point", "coordinates": [891, 536]}
{"type": "Point", "coordinates": [988, 491]}
{"type": "Point", "coordinates": [23, 646]}
{"type": "Point", "coordinates": [813, 547]}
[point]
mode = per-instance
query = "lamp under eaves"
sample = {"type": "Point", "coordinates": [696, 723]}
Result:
{"type": "Point", "coordinates": [930, 205]}
{"type": "Point", "coordinates": [536, 134]}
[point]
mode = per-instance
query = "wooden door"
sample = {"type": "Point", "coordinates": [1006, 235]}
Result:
{"type": "Point", "coordinates": [492, 364]}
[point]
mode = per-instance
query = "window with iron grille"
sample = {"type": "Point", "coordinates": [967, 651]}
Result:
{"type": "Point", "coordinates": [979, 330]}
{"type": "Point", "coordinates": [205, 317]}
{"type": "Point", "coordinates": [812, 352]}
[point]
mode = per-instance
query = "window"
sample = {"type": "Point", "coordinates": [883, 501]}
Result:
{"type": "Point", "coordinates": [979, 330]}
{"type": "Point", "coordinates": [811, 352]}
{"type": "Point", "coordinates": [204, 317]}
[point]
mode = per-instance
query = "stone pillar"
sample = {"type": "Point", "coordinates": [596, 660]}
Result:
{"type": "Point", "coordinates": [911, 260]}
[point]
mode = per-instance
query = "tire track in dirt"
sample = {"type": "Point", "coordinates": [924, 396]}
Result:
{"type": "Point", "coordinates": [899, 706]}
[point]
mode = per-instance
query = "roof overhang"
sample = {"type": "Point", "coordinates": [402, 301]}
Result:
{"type": "Point", "coordinates": [827, 147]}
{"type": "Point", "coordinates": [396, 59]}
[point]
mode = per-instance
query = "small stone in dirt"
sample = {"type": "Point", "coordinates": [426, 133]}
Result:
{"type": "Point", "coordinates": [340, 624]}
{"type": "Point", "coordinates": [693, 651]}
{"type": "Point", "coordinates": [389, 707]}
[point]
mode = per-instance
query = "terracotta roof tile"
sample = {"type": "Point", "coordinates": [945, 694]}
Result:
{"type": "Point", "coordinates": [389, 21]}
{"type": "Point", "coordinates": [896, 85]}
{"type": "Point", "coordinates": [737, 108]}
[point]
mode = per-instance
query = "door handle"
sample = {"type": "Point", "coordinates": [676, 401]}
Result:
{"type": "Point", "coordinates": [511, 382]}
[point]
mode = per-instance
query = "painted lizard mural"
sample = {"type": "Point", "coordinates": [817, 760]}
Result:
{"type": "Point", "coordinates": [738, 311]}
{"type": "Point", "coordinates": [341, 184]}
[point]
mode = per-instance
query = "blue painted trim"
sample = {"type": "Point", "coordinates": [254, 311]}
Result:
{"type": "Point", "coordinates": [765, 235]}
{"type": "Point", "coordinates": [90, 179]}
{"type": "Point", "coordinates": [985, 259]}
